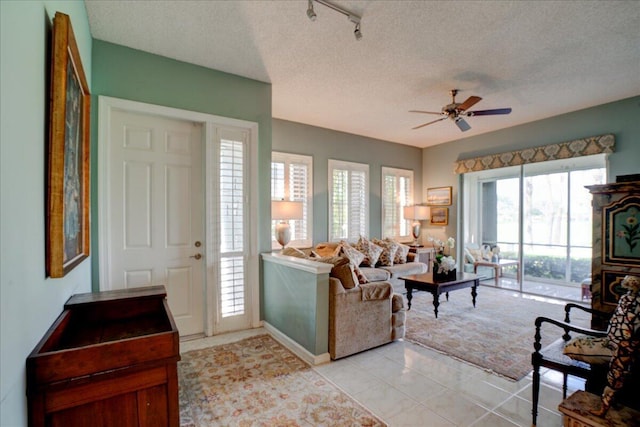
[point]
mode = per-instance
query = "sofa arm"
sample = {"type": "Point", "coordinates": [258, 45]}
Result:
{"type": "Point", "coordinates": [376, 291]}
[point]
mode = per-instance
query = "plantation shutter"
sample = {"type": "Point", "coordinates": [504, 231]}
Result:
{"type": "Point", "coordinates": [397, 192]}
{"type": "Point", "coordinates": [233, 220]}
{"type": "Point", "coordinates": [349, 200]}
{"type": "Point", "coordinates": [291, 179]}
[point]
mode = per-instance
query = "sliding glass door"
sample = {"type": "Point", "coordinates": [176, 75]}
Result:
{"type": "Point", "coordinates": [538, 214]}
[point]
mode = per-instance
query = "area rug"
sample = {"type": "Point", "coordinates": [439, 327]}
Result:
{"type": "Point", "coordinates": [258, 382]}
{"type": "Point", "coordinates": [496, 335]}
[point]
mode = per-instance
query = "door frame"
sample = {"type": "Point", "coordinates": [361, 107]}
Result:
{"type": "Point", "coordinates": [210, 123]}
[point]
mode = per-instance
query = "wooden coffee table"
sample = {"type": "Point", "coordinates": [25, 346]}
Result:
{"type": "Point", "coordinates": [425, 282]}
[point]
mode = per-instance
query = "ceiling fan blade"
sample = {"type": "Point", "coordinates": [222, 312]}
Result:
{"type": "Point", "coordinates": [429, 123]}
{"type": "Point", "coordinates": [425, 112]}
{"type": "Point", "coordinates": [470, 102]}
{"type": "Point", "coordinates": [489, 112]}
{"type": "Point", "coordinates": [462, 124]}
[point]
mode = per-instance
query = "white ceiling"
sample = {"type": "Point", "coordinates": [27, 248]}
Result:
{"type": "Point", "coordinates": [542, 58]}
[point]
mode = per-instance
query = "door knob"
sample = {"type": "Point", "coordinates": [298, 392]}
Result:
{"type": "Point", "coordinates": [196, 256]}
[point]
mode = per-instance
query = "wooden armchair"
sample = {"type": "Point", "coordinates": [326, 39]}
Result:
{"type": "Point", "coordinates": [552, 356]}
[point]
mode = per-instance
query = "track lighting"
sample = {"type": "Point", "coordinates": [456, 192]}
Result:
{"type": "Point", "coordinates": [355, 19]}
{"type": "Point", "coordinates": [311, 14]}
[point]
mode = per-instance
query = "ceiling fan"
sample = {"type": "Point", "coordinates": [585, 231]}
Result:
{"type": "Point", "coordinates": [456, 111]}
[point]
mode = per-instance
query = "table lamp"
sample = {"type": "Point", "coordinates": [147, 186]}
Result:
{"type": "Point", "coordinates": [417, 213]}
{"type": "Point", "coordinates": [285, 210]}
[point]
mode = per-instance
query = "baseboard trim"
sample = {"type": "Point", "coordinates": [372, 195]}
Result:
{"type": "Point", "coordinates": [296, 348]}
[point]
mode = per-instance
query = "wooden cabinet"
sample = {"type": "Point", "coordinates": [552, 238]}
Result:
{"type": "Point", "coordinates": [616, 214]}
{"type": "Point", "coordinates": [110, 359]}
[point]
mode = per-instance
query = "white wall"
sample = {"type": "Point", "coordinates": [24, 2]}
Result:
{"type": "Point", "coordinates": [29, 301]}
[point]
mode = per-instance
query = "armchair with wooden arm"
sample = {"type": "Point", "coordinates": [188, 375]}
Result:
{"type": "Point", "coordinates": [552, 356]}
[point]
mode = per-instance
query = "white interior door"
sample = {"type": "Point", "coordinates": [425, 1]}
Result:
{"type": "Point", "coordinates": [155, 211]}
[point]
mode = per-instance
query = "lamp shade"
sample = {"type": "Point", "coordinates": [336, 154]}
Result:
{"type": "Point", "coordinates": [416, 212]}
{"type": "Point", "coordinates": [286, 209]}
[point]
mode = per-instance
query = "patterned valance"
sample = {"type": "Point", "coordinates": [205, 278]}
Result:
{"type": "Point", "coordinates": [563, 150]}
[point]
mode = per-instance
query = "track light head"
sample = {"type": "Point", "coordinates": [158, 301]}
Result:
{"type": "Point", "coordinates": [357, 32]}
{"type": "Point", "coordinates": [311, 14]}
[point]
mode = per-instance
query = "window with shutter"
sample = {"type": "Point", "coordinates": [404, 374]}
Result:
{"type": "Point", "coordinates": [232, 227]}
{"type": "Point", "coordinates": [397, 192]}
{"type": "Point", "coordinates": [348, 200]}
{"type": "Point", "coordinates": [291, 179]}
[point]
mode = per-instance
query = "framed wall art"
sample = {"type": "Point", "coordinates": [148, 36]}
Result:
{"type": "Point", "coordinates": [439, 196]}
{"type": "Point", "coordinates": [439, 216]}
{"type": "Point", "coordinates": [68, 228]}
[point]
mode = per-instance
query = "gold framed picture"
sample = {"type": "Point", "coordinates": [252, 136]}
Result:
{"type": "Point", "coordinates": [439, 216]}
{"type": "Point", "coordinates": [439, 196]}
{"type": "Point", "coordinates": [68, 192]}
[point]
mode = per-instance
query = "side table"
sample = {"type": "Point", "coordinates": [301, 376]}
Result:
{"type": "Point", "coordinates": [424, 254]}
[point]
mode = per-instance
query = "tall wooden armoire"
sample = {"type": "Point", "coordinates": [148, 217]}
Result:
{"type": "Point", "coordinates": [616, 242]}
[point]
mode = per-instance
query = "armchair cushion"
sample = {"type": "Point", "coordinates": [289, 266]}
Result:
{"type": "Point", "coordinates": [589, 349]}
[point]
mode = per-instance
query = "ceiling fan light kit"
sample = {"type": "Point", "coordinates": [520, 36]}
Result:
{"type": "Point", "coordinates": [456, 111]}
{"type": "Point", "coordinates": [352, 17]}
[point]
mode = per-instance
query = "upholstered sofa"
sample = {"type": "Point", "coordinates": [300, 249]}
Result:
{"type": "Point", "coordinates": [362, 315]}
{"type": "Point", "coordinates": [380, 273]}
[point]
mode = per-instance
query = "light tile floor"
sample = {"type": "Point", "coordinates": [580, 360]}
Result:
{"type": "Point", "coordinates": [409, 385]}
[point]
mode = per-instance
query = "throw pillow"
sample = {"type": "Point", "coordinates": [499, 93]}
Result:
{"type": "Point", "coordinates": [341, 270]}
{"type": "Point", "coordinates": [288, 251]}
{"type": "Point", "coordinates": [589, 349]}
{"type": "Point", "coordinates": [370, 250]}
{"type": "Point", "coordinates": [388, 254]}
{"type": "Point", "coordinates": [401, 253]}
{"type": "Point", "coordinates": [355, 257]}
{"type": "Point", "coordinates": [327, 249]}
{"type": "Point", "coordinates": [476, 254]}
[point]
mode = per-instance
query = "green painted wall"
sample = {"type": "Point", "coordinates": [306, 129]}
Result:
{"type": "Point", "coordinates": [30, 302]}
{"type": "Point", "coordinates": [126, 73]}
{"type": "Point", "coordinates": [620, 118]}
{"type": "Point", "coordinates": [324, 144]}
{"type": "Point", "coordinates": [297, 304]}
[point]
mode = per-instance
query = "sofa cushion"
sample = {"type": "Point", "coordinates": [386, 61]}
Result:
{"type": "Point", "coordinates": [389, 249]}
{"type": "Point", "coordinates": [341, 270]}
{"type": "Point", "coordinates": [375, 274]}
{"type": "Point", "coordinates": [370, 250]}
{"type": "Point", "coordinates": [400, 270]}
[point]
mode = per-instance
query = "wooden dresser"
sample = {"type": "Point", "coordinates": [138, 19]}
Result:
{"type": "Point", "coordinates": [110, 359]}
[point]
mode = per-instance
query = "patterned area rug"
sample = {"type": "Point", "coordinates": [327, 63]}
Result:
{"type": "Point", "coordinates": [497, 335]}
{"type": "Point", "coordinates": [258, 382]}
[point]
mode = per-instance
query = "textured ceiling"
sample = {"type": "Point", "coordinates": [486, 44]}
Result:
{"type": "Point", "coordinates": [542, 58]}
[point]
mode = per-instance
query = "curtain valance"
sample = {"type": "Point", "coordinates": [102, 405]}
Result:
{"type": "Point", "coordinates": [563, 150]}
